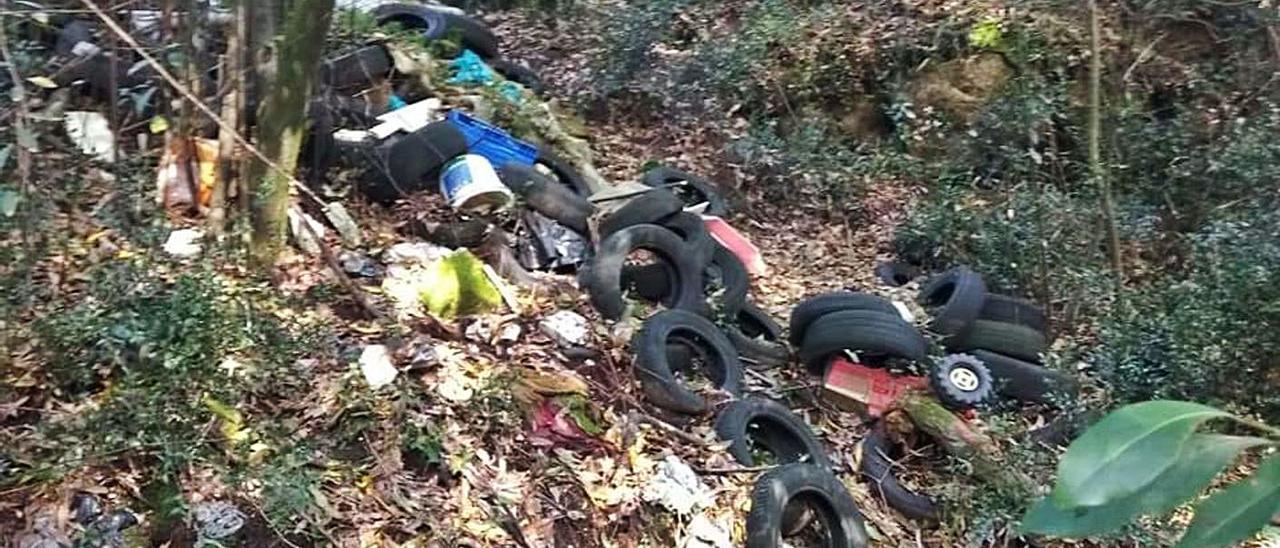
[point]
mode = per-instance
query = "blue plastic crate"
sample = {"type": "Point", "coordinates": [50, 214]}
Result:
{"type": "Point", "coordinates": [487, 140]}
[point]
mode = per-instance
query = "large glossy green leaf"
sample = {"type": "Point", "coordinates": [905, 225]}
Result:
{"type": "Point", "coordinates": [1125, 451]}
{"type": "Point", "coordinates": [1238, 511]}
{"type": "Point", "coordinates": [1203, 456]}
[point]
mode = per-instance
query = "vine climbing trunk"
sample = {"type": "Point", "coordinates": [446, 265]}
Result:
{"type": "Point", "coordinates": [287, 69]}
{"type": "Point", "coordinates": [1097, 171]}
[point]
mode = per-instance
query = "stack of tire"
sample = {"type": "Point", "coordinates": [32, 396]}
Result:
{"type": "Point", "coordinates": [1007, 334]}
{"type": "Point", "coordinates": [832, 324]}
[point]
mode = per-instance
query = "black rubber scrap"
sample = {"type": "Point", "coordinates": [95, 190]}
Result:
{"type": "Point", "coordinates": [406, 162]}
{"type": "Point", "coordinates": [1018, 341]}
{"type": "Point", "coordinates": [696, 189]}
{"type": "Point", "coordinates": [765, 424]}
{"type": "Point", "coordinates": [693, 230]}
{"type": "Point", "coordinates": [820, 305]}
{"type": "Point", "coordinates": [648, 208]}
{"type": "Point", "coordinates": [547, 196]}
{"type": "Point", "coordinates": [1027, 381]}
{"type": "Point", "coordinates": [519, 74]}
{"type": "Point", "coordinates": [563, 171]}
{"type": "Point", "coordinates": [602, 277]}
{"type": "Point", "coordinates": [360, 68]}
{"type": "Point", "coordinates": [829, 501]}
{"type": "Point", "coordinates": [896, 274]}
{"type": "Point", "coordinates": [956, 297]}
{"type": "Point", "coordinates": [758, 337]}
{"type": "Point", "coordinates": [1006, 309]}
{"type": "Point", "coordinates": [878, 471]}
{"type": "Point", "coordinates": [874, 335]}
{"type": "Point", "coordinates": [651, 282]}
{"type": "Point", "coordinates": [651, 346]}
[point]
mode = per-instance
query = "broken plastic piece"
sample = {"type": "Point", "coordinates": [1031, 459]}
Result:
{"type": "Point", "coordinates": [856, 387]}
{"type": "Point", "coordinates": [736, 242]}
{"type": "Point", "coordinates": [91, 132]}
{"type": "Point", "coordinates": [458, 286]}
{"type": "Point", "coordinates": [183, 243]}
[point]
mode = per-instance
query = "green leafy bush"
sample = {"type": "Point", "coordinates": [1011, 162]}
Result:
{"type": "Point", "coordinates": [1210, 336]}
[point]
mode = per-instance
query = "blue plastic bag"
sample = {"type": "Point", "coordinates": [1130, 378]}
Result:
{"type": "Point", "coordinates": [470, 69]}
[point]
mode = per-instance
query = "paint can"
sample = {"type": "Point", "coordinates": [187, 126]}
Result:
{"type": "Point", "coordinates": [471, 185]}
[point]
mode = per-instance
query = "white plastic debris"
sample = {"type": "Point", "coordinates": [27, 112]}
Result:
{"type": "Point", "coordinates": [409, 118]}
{"type": "Point", "coordinates": [419, 253]}
{"type": "Point", "coordinates": [92, 133]}
{"type": "Point", "coordinates": [184, 243]}
{"type": "Point", "coordinates": [905, 312]}
{"type": "Point", "coordinates": [703, 533]}
{"type": "Point", "coordinates": [509, 333]}
{"type": "Point", "coordinates": [375, 363]}
{"type": "Point", "coordinates": [217, 519]}
{"type": "Point", "coordinates": [676, 487]}
{"type": "Point", "coordinates": [567, 327]}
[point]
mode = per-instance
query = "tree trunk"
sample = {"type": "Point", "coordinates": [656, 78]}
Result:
{"type": "Point", "coordinates": [957, 438]}
{"type": "Point", "coordinates": [281, 122]}
{"type": "Point", "coordinates": [1096, 169]}
{"type": "Point", "coordinates": [232, 107]}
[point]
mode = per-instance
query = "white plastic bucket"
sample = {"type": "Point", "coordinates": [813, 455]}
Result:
{"type": "Point", "coordinates": [470, 184]}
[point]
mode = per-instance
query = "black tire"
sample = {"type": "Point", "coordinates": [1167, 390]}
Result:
{"type": "Point", "coordinates": [771, 426]}
{"type": "Point", "coordinates": [519, 74]}
{"type": "Point", "coordinates": [820, 305]}
{"type": "Point", "coordinates": [564, 171]}
{"type": "Point", "coordinates": [695, 190]}
{"type": "Point", "coordinates": [830, 500]}
{"type": "Point", "coordinates": [956, 297]}
{"type": "Point", "coordinates": [1018, 341]}
{"type": "Point", "coordinates": [360, 68]}
{"type": "Point", "coordinates": [896, 274]}
{"type": "Point", "coordinates": [1013, 310]}
{"type": "Point", "coordinates": [961, 381]}
{"type": "Point", "coordinates": [873, 334]}
{"type": "Point", "coordinates": [656, 374]}
{"type": "Point", "coordinates": [651, 282]}
{"type": "Point", "coordinates": [548, 197]}
{"type": "Point", "coordinates": [726, 282]}
{"type": "Point", "coordinates": [691, 228]}
{"type": "Point", "coordinates": [878, 471]}
{"type": "Point", "coordinates": [603, 276]}
{"type": "Point", "coordinates": [648, 208]}
{"type": "Point", "coordinates": [1025, 381]}
{"type": "Point", "coordinates": [435, 23]}
{"type": "Point", "coordinates": [758, 338]}
{"type": "Point", "coordinates": [408, 161]}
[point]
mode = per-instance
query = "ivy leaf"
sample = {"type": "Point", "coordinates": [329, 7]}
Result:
{"type": "Point", "coordinates": [1126, 451]}
{"type": "Point", "coordinates": [1202, 458]}
{"type": "Point", "coordinates": [1238, 511]}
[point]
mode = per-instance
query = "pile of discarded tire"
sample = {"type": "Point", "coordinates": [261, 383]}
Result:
{"type": "Point", "coordinates": [870, 329]}
{"type": "Point", "coordinates": [1007, 334]}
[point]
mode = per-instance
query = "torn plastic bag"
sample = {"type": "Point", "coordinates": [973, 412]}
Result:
{"type": "Point", "coordinates": [543, 244]}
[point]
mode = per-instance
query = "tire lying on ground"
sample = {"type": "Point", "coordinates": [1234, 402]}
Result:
{"type": "Point", "coordinates": [547, 196]}
{"type": "Point", "coordinates": [758, 338]}
{"type": "Point", "coordinates": [438, 22]}
{"type": "Point", "coordinates": [1013, 340]}
{"type": "Point", "coordinates": [655, 372]}
{"type": "Point", "coordinates": [1027, 381]}
{"type": "Point", "coordinates": [602, 277]}
{"type": "Point", "coordinates": [832, 506]}
{"type": "Point", "coordinates": [820, 305]}
{"type": "Point", "coordinates": [876, 467]}
{"type": "Point", "coordinates": [771, 427]}
{"type": "Point", "coordinates": [956, 297]}
{"type": "Point", "coordinates": [961, 381]}
{"type": "Point", "coordinates": [406, 162]}
{"type": "Point", "coordinates": [360, 68]}
{"type": "Point", "coordinates": [1013, 310]}
{"type": "Point", "coordinates": [693, 231]}
{"type": "Point", "coordinates": [694, 190]}
{"type": "Point", "coordinates": [648, 208]}
{"type": "Point", "coordinates": [725, 282]}
{"type": "Point", "coordinates": [874, 335]}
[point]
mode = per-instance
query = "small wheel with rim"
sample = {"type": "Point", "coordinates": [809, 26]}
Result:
{"type": "Point", "coordinates": [961, 381]}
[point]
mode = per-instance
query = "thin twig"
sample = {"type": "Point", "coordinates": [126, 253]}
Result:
{"type": "Point", "coordinates": [732, 470]}
{"type": "Point", "coordinates": [686, 437]}
{"type": "Point", "coordinates": [272, 526]}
